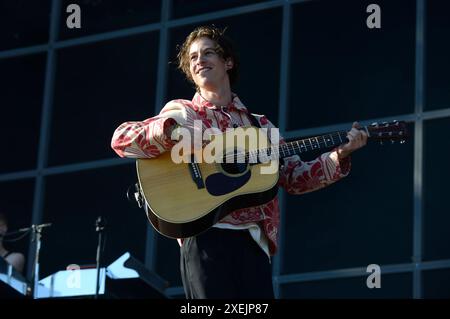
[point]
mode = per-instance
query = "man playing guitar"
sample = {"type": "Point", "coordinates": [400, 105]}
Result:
{"type": "Point", "coordinates": [232, 258]}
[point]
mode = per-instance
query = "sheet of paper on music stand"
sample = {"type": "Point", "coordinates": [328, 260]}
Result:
{"type": "Point", "coordinates": [15, 283]}
{"type": "Point", "coordinates": [127, 277]}
{"type": "Point", "coordinates": [117, 270]}
{"type": "Point", "coordinates": [71, 283]}
{"type": "Point", "coordinates": [12, 278]}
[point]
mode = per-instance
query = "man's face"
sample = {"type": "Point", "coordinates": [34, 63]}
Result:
{"type": "Point", "coordinates": [208, 69]}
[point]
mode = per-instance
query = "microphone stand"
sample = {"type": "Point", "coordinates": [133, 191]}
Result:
{"type": "Point", "coordinates": [100, 224]}
{"type": "Point", "coordinates": [37, 235]}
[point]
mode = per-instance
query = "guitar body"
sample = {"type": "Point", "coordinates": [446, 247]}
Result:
{"type": "Point", "coordinates": [186, 199]}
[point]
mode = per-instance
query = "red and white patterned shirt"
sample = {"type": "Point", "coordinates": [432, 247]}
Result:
{"type": "Point", "coordinates": [147, 139]}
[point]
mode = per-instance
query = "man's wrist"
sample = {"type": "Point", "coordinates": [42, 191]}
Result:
{"type": "Point", "coordinates": [169, 125]}
{"type": "Point", "coordinates": [342, 154]}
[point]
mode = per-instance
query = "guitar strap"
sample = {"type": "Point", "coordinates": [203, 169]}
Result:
{"type": "Point", "coordinates": [254, 120]}
{"type": "Point", "coordinates": [134, 194]}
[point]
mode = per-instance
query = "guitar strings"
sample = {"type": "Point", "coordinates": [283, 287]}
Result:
{"type": "Point", "coordinates": [297, 147]}
{"type": "Point", "coordinates": [289, 147]}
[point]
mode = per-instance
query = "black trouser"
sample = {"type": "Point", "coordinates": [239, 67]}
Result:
{"type": "Point", "coordinates": [225, 263]}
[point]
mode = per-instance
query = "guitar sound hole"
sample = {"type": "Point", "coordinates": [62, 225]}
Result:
{"type": "Point", "coordinates": [233, 168]}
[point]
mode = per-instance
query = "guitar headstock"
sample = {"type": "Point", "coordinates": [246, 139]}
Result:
{"type": "Point", "coordinates": [394, 131]}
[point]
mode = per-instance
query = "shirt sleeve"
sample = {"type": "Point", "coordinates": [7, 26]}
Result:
{"type": "Point", "coordinates": [298, 177]}
{"type": "Point", "coordinates": [149, 138]}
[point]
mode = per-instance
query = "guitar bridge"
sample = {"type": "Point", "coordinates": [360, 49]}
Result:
{"type": "Point", "coordinates": [196, 173]}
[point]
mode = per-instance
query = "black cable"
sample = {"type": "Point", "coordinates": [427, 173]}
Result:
{"type": "Point", "coordinates": [18, 238]}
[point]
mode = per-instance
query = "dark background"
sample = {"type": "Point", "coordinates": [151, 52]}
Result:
{"type": "Point", "coordinates": [338, 71]}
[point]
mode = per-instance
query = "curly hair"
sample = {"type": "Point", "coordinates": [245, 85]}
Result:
{"type": "Point", "coordinates": [224, 48]}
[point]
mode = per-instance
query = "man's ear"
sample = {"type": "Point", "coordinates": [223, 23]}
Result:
{"type": "Point", "coordinates": [229, 64]}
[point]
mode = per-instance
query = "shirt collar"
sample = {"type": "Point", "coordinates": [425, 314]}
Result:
{"type": "Point", "coordinates": [236, 104]}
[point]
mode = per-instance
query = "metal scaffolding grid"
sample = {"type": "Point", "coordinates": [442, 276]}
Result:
{"type": "Point", "coordinates": [163, 27]}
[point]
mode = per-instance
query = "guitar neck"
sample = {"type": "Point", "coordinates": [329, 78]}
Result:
{"type": "Point", "coordinates": [311, 144]}
{"type": "Point", "coordinates": [298, 147]}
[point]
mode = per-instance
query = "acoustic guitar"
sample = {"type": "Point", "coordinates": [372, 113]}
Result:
{"type": "Point", "coordinates": [186, 199]}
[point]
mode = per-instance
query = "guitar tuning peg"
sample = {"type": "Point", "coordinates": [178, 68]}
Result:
{"type": "Point", "coordinates": [402, 141]}
{"type": "Point", "coordinates": [392, 142]}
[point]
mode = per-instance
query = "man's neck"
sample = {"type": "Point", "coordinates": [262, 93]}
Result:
{"type": "Point", "coordinates": [219, 97]}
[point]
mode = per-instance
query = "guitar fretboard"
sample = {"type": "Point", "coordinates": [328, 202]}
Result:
{"type": "Point", "coordinates": [297, 147]}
